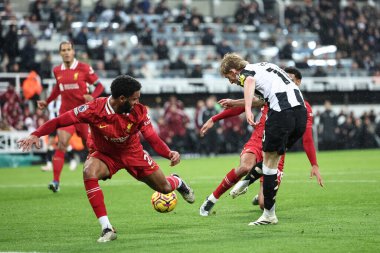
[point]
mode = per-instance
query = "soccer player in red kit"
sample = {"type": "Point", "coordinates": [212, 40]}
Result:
{"type": "Point", "coordinates": [308, 145]}
{"type": "Point", "coordinates": [115, 124]}
{"type": "Point", "coordinates": [72, 78]}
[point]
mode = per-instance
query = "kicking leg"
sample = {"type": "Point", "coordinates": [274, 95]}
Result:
{"type": "Point", "coordinates": [247, 160]}
{"type": "Point", "coordinates": [159, 182]}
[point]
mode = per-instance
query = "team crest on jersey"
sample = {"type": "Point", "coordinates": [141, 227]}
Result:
{"type": "Point", "coordinates": [242, 80]}
{"type": "Point", "coordinates": [79, 109]}
{"type": "Point", "coordinates": [129, 126]}
{"type": "Point", "coordinates": [76, 74]}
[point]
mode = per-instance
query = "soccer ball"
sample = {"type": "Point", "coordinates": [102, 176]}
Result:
{"type": "Point", "coordinates": [164, 203]}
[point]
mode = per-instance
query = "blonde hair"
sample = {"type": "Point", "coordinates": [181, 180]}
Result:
{"type": "Point", "coordinates": [232, 61]}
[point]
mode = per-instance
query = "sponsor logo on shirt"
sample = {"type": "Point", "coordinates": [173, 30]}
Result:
{"type": "Point", "coordinates": [117, 140]}
{"type": "Point", "coordinates": [71, 86]}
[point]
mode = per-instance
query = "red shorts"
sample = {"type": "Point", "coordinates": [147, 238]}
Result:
{"type": "Point", "coordinates": [280, 170]}
{"type": "Point", "coordinates": [81, 129]}
{"type": "Point", "coordinates": [138, 167]}
{"type": "Point", "coordinates": [255, 146]}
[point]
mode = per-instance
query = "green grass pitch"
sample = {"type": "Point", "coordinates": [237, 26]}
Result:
{"type": "Point", "coordinates": [344, 216]}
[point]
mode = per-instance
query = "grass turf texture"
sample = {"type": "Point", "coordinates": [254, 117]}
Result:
{"type": "Point", "coordinates": [342, 217]}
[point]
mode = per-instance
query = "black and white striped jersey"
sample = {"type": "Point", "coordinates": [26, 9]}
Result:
{"type": "Point", "coordinates": [274, 85]}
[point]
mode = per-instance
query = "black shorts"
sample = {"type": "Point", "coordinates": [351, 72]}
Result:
{"type": "Point", "coordinates": [283, 129]}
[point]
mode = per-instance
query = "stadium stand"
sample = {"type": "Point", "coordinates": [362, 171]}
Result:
{"type": "Point", "coordinates": [176, 46]}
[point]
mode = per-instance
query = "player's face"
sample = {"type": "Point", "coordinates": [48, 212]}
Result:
{"type": "Point", "coordinates": [294, 79]}
{"type": "Point", "coordinates": [128, 103]}
{"type": "Point", "coordinates": [67, 53]}
{"type": "Point", "coordinates": [232, 76]}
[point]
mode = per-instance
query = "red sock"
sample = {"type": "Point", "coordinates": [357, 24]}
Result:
{"type": "Point", "coordinates": [174, 182]}
{"type": "Point", "coordinates": [230, 179]}
{"type": "Point", "coordinates": [95, 196]}
{"type": "Point", "coordinates": [58, 161]}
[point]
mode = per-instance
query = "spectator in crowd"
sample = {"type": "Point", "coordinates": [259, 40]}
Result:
{"type": "Point", "coordinates": [162, 50]}
{"type": "Point", "coordinates": [223, 47]}
{"type": "Point", "coordinates": [208, 37]}
{"type": "Point", "coordinates": [177, 121]}
{"type": "Point", "coordinates": [114, 64]}
{"type": "Point", "coordinates": [197, 72]}
{"type": "Point", "coordinates": [328, 128]}
{"type": "Point", "coordinates": [212, 139]}
{"type": "Point", "coordinates": [46, 66]}
{"type": "Point", "coordinates": [11, 47]}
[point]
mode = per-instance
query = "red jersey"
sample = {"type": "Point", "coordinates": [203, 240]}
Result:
{"type": "Point", "coordinates": [72, 84]}
{"type": "Point", "coordinates": [114, 134]}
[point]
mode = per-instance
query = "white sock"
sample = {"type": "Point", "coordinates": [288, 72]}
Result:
{"type": "Point", "coordinates": [104, 222]}
{"type": "Point", "coordinates": [270, 212]}
{"type": "Point", "coordinates": [180, 181]}
{"type": "Point", "coordinates": [212, 198]}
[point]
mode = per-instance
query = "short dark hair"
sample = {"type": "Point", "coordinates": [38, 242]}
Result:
{"type": "Point", "coordinates": [66, 42]}
{"type": "Point", "coordinates": [294, 71]}
{"type": "Point", "coordinates": [124, 85]}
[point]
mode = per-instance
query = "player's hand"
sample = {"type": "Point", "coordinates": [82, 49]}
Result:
{"type": "Point", "coordinates": [315, 172]}
{"type": "Point", "coordinates": [175, 158]}
{"type": "Point", "coordinates": [226, 103]}
{"type": "Point", "coordinates": [206, 126]}
{"type": "Point", "coordinates": [27, 143]}
{"type": "Point", "coordinates": [250, 119]}
{"type": "Point", "coordinates": [88, 97]}
{"type": "Point", "coordinates": [41, 104]}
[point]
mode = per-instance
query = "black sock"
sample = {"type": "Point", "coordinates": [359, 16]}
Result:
{"type": "Point", "coordinates": [270, 189]}
{"type": "Point", "coordinates": [255, 173]}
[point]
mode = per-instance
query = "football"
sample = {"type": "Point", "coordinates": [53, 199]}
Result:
{"type": "Point", "coordinates": [164, 203]}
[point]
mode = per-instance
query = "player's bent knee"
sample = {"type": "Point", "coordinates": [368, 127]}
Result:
{"type": "Point", "coordinates": [242, 171]}
{"type": "Point", "coordinates": [164, 188]}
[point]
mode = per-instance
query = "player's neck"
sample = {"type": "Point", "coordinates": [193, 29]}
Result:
{"type": "Point", "coordinates": [68, 63]}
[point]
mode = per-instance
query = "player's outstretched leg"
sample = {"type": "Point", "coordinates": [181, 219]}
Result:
{"type": "Point", "coordinates": [228, 181]}
{"type": "Point", "coordinates": [241, 187]}
{"type": "Point", "coordinates": [182, 187]}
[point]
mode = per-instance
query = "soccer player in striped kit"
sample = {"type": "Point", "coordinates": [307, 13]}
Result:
{"type": "Point", "coordinates": [72, 78]}
{"type": "Point", "coordinates": [308, 144]}
{"type": "Point", "coordinates": [286, 118]}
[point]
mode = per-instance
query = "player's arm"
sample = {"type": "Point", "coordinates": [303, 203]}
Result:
{"type": "Point", "coordinates": [42, 104]}
{"type": "Point", "coordinates": [159, 146]}
{"type": "Point", "coordinates": [93, 79]}
{"type": "Point", "coordinates": [249, 93]}
{"type": "Point", "coordinates": [308, 145]}
{"type": "Point", "coordinates": [63, 120]}
{"type": "Point", "coordinates": [230, 103]}
{"type": "Point", "coordinates": [227, 113]}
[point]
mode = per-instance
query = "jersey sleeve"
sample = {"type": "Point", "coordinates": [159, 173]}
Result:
{"type": "Point", "coordinates": [231, 112]}
{"type": "Point", "coordinates": [145, 125]}
{"type": "Point", "coordinates": [307, 139]}
{"type": "Point", "coordinates": [91, 77]}
{"type": "Point", "coordinates": [86, 113]}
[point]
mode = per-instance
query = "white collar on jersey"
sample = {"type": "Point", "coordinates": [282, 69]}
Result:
{"type": "Point", "coordinates": [109, 108]}
{"type": "Point", "coordinates": [73, 66]}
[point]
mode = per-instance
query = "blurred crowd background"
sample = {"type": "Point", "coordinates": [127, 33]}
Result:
{"type": "Point", "coordinates": [154, 39]}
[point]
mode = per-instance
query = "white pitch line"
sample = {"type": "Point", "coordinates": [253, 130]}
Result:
{"type": "Point", "coordinates": [192, 182]}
